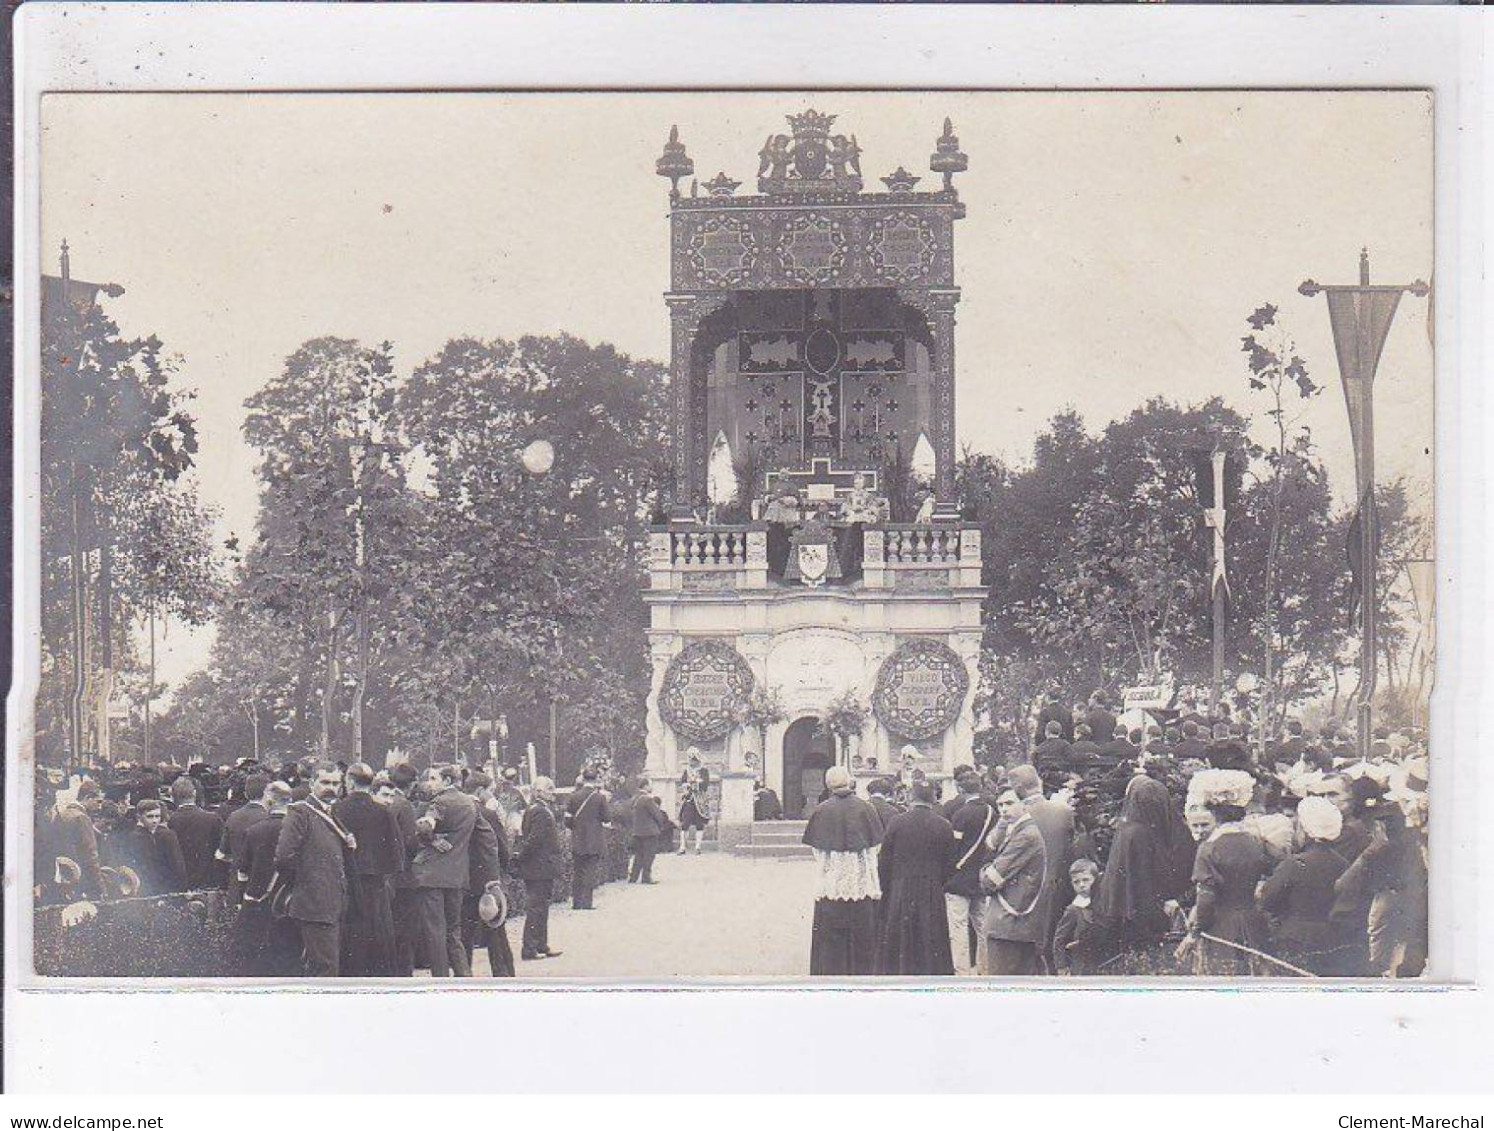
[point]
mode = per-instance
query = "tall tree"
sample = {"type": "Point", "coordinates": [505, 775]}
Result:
{"type": "Point", "coordinates": [167, 567]}
{"type": "Point", "coordinates": [1280, 373]}
{"type": "Point", "coordinates": [531, 588]}
{"type": "Point", "coordinates": [115, 427]}
{"type": "Point", "coordinates": [331, 516]}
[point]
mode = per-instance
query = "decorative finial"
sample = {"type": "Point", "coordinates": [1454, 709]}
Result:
{"type": "Point", "coordinates": [675, 163]}
{"type": "Point", "coordinates": [947, 158]}
{"type": "Point", "coordinates": [66, 264]}
{"type": "Point", "coordinates": [722, 185]}
{"type": "Point", "coordinates": [1364, 266]}
{"type": "Point", "coordinates": [900, 181]}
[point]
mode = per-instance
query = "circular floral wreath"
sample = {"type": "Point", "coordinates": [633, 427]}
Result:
{"type": "Point", "coordinates": [910, 656]}
{"type": "Point", "coordinates": [703, 655]}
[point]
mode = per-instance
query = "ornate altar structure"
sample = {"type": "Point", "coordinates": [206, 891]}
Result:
{"type": "Point", "coordinates": [812, 370]}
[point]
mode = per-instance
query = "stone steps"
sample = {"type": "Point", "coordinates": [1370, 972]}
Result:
{"type": "Point", "coordinates": [772, 851]}
{"type": "Point", "coordinates": [774, 839]}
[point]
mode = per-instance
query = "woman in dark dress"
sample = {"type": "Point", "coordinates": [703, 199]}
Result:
{"type": "Point", "coordinates": [1299, 892]}
{"type": "Point", "coordinates": [1146, 867]}
{"type": "Point", "coordinates": [1230, 863]}
{"type": "Point", "coordinates": [912, 865]}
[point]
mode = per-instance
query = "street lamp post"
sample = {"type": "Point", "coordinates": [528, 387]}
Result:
{"type": "Point", "coordinates": [1360, 316]}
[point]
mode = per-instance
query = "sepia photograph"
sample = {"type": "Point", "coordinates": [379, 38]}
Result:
{"type": "Point", "coordinates": [832, 538]}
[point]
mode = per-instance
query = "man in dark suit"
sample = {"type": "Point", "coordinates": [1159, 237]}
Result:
{"type": "Point", "coordinates": [1051, 756]}
{"type": "Point", "coordinates": [1100, 721]}
{"type": "Point", "coordinates": [198, 832]}
{"type": "Point", "coordinates": [588, 818]}
{"type": "Point", "coordinates": [960, 775]}
{"type": "Point", "coordinates": [1191, 747]}
{"type": "Point", "coordinates": [879, 792]}
{"type": "Point", "coordinates": [1084, 755]}
{"type": "Point", "coordinates": [368, 937]}
{"type": "Point", "coordinates": [487, 858]}
{"type": "Point", "coordinates": [1055, 823]}
{"type": "Point", "coordinates": [402, 777]}
{"type": "Point", "coordinates": [261, 945]}
{"type": "Point", "coordinates": [539, 863]}
{"type": "Point", "coordinates": [235, 827]}
{"type": "Point", "coordinates": [439, 873]}
{"type": "Point", "coordinates": [649, 825]}
{"type": "Point", "coordinates": [1053, 712]}
{"type": "Point", "coordinates": [151, 849]}
{"type": "Point", "coordinates": [964, 902]}
{"type": "Point", "coordinates": [76, 839]}
{"type": "Point", "coordinates": [311, 848]}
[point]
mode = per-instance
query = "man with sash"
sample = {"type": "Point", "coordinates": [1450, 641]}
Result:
{"type": "Point", "coordinates": [973, 821]}
{"type": "Point", "coordinates": [587, 816]}
{"type": "Point", "coordinates": [310, 855]}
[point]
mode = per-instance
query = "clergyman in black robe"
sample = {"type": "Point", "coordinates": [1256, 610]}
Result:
{"type": "Point", "coordinates": [844, 832]}
{"type": "Point", "coordinates": [916, 857]}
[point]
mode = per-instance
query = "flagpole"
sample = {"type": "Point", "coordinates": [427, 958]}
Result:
{"type": "Point", "coordinates": [1369, 662]}
{"type": "Point", "coordinates": [1360, 317]}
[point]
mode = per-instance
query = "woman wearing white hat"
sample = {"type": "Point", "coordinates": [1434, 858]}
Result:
{"type": "Point", "coordinates": [1299, 893]}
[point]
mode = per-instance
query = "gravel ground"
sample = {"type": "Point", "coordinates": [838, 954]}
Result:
{"type": "Point", "coordinates": [712, 915]}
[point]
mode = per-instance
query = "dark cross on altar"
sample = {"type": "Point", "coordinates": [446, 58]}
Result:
{"type": "Point", "coordinates": [821, 483]}
{"type": "Point", "coordinates": [820, 354]}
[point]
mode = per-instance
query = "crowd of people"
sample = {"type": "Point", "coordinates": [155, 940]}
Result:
{"type": "Point", "coordinates": [331, 869]}
{"type": "Point", "coordinates": [1191, 846]}
{"type": "Point", "coordinates": [1187, 844]}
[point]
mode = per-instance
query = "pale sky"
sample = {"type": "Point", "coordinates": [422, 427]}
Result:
{"type": "Point", "coordinates": [1114, 245]}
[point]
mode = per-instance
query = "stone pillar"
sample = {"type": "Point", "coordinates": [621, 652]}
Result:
{"type": "Point", "coordinates": [659, 764]}
{"type": "Point", "coordinates": [687, 431]}
{"type": "Point", "coordinates": [755, 575]}
{"type": "Point", "coordinates": [962, 734]}
{"type": "Point", "coordinates": [967, 575]}
{"type": "Point", "coordinates": [682, 324]}
{"type": "Point", "coordinates": [734, 824]}
{"type": "Point", "coordinates": [937, 305]}
{"type": "Point", "coordinates": [946, 505]}
{"type": "Point", "coordinates": [879, 743]}
{"type": "Point", "coordinates": [660, 559]}
{"type": "Point", "coordinates": [873, 557]}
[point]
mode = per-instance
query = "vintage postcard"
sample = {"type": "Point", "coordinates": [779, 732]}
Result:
{"type": "Point", "coordinates": [637, 537]}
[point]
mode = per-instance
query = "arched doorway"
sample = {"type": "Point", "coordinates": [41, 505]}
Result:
{"type": "Point", "coordinates": [807, 754]}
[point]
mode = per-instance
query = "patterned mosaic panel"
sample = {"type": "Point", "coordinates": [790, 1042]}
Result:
{"type": "Point", "coordinates": [920, 689]}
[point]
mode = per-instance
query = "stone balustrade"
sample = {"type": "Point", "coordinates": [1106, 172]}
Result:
{"type": "Point", "coordinates": [904, 544]}
{"type": "Point", "coordinates": [894, 556]}
{"type": "Point", "coordinates": [710, 547]}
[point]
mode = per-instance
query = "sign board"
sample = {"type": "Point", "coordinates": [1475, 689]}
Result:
{"type": "Point", "coordinates": [704, 688]}
{"type": "Point", "coordinates": [1147, 697]}
{"type": "Point", "coordinates": [920, 689]}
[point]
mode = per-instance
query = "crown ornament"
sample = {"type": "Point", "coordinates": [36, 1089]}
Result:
{"type": "Point", "coordinates": [721, 185]}
{"type": "Point", "coordinates": [900, 181]}
{"type": "Point", "coordinates": [811, 123]}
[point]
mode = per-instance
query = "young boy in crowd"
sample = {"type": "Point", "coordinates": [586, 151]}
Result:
{"type": "Point", "coordinates": [1075, 941]}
